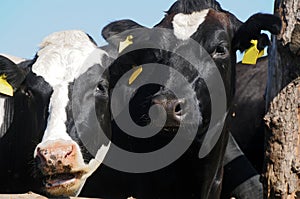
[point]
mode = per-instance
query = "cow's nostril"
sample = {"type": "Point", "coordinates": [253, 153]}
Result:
{"type": "Point", "coordinates": [68, 151]}
{"type": "Point", "coordinates": [178, 109]}
{"type": "Point", "coordinates": [53, 157]}
{"type": "Point", "coordinates": [49, 162]}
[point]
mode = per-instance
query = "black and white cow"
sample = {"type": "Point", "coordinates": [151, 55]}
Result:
{"type": "Point", "coordinates": [52, 111]}
{"type": "Point", "coordinates": [221, 35]}
{"type": "Point", "coordinates": [243, 184]}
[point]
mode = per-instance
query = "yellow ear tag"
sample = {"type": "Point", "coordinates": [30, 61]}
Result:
{"type": "Point", "coordinates": [135, 74]}
{"type": "Point", "coordinates": [124, 44]}
{"type": "Point", "coordinates": [252, 54]}
{"type": "Point", "coordinates": [5, 87]}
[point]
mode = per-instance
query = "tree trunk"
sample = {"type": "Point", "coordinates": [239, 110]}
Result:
{"type": "Point", "coordinates": [282, 158]}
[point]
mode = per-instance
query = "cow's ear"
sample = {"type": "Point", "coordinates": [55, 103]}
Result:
{"type": "Point", "coordinates": [11, 76]}
{"type": "Point", "coordinates": [121, 31]}
{"type": "Point", "coordinates": [118, 27]}
{"type": "Point", "coordinates": [251, 30]}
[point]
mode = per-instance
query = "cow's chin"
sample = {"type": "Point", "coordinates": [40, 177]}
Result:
{"type": "Point", "coordinates": [69, 184]}
{"type": "Point", "coordinates": [63, 185]}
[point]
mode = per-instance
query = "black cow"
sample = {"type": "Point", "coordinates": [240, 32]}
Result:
{"type": "Point", "coordinates": [60, 98]}
{"type": "Point", "coordinates": [6, 108]}
{"type": "Point", "coordinates": [247, 127]}
{"type": "Point", "coordinates": [19, 132]}
{"type": "Point", "coordinates": [221, 35]}
{"type": "Point", "coordinates": [248, 110]}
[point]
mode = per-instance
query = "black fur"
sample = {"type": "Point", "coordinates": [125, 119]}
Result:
{"type": "Point", "coordinates": [190, 6]}
{"type": "Point", "coordinates": [8, 115]}
{"type": "Point", "coordinates": [252, 28]}
{"type": "Point", "coordinates": [15, 75]}
{"type": "Point", "coordinates": [117, 27]}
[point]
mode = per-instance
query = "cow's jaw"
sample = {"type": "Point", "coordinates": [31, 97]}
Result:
{"type": "Point", "coordinates": [64, 184]}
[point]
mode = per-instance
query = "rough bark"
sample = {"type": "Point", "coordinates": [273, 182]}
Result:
{"type": "Point", "coordinates": [282, 160]}
{"type": "Point", "coordinates": [284, 60]}
{"type": "Point", "coordinates": [282, 164]}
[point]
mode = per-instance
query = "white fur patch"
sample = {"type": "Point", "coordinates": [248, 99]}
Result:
{"type": "Point", "coordinates": [61, 56]}
{"type": "Point", "coordinates": [14, 59]}
{"type": "Point", "coordinates": [185, 25]}
{"type": "Point", "coordinates": [61, 59]}
{"type": "Point", "coordinates": [2, 111]}
{"type": "Point", "coordinates": [56, 127]}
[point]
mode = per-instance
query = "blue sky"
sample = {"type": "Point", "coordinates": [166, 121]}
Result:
{"type": "Point", "coordinates": [24, 23]}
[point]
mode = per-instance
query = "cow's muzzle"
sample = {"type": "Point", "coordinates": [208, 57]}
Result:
{"type": "Point", "coordinates": [61, 166]}
{"type": "Point", "coordinates": [174, 108]}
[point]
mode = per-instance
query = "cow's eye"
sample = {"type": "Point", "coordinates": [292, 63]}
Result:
{"type": "Point", "coordinates": [220, 52]}
{"type": "Point", "coordinates": [27, 92]}
{"type": "Point", "coordinates": [101, 89]}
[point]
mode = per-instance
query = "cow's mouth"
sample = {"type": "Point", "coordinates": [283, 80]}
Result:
{"type": "Point", "coordinates": [62, 180]}
{"type": "Point", "coordinates": [170, 129]}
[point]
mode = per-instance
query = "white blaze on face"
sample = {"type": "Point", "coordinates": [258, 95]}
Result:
{"type": "Point", "coordinates": [185, 25]}
{"type": "Point", "coordinates": [60, 61]}
{"type": "Point", "coordinates": [56, 127]}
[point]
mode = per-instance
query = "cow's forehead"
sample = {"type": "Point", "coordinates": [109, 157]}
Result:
{"type": "Point", "coordinates": [218, 17]}
{"type": "Point", "coordinates": [185, 25]}
{"type": "Point", "coordinates": [62, 56]}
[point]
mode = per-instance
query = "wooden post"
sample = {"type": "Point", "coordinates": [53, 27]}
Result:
{"type": "Point", "coordinates": [32, 195]}
{"type": "Point", "coordinates": [282, 158]}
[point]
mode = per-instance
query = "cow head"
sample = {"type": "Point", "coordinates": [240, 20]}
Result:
{"type": "Point", "coordinates": [220, 34]}
{"type": "Point", "coordinates": [68, 88]}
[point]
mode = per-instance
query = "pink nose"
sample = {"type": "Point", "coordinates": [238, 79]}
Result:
{"type": "Point", "coordinates": [56, 156]}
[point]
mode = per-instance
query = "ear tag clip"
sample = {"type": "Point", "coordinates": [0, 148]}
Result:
{"type": "Point", "coordinates": [124, 44]}
{"type": "Point", "coordinates": [252, 54]}
{"type": "Point", "coordinates": [5, 87]}
{"type": "Point", "coordinates": [135, 74]}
